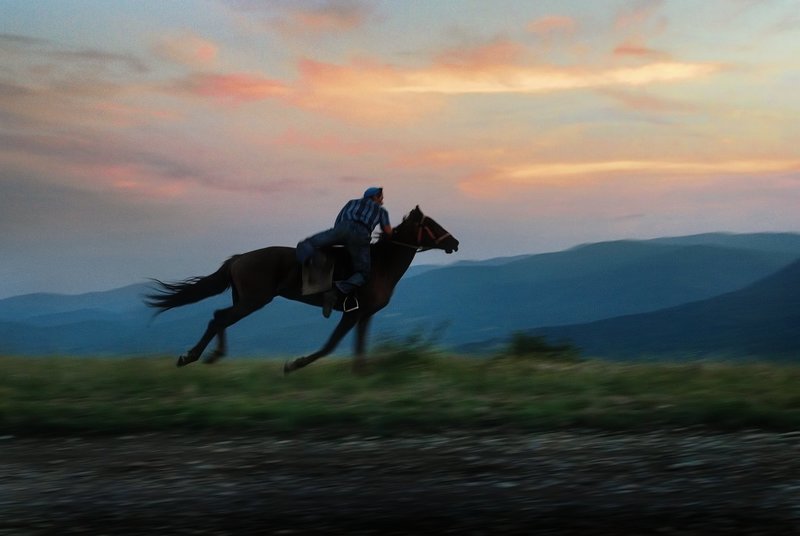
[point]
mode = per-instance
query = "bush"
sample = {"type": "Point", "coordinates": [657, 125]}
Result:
{"type": "Point", "coordinates": [414, 351]}
{"type": "Point", "coordinates": [524, 345]}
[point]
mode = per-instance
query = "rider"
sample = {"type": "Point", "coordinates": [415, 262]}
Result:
{"type": "Point", "coordinates": [352, 229]}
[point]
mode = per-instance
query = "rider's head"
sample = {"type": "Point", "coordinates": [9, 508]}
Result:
{"type": "Point", "coordinates": [375, 193]}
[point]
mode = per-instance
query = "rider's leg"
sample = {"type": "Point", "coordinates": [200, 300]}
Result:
{"type": "Point", "coordinates": [306, 248]}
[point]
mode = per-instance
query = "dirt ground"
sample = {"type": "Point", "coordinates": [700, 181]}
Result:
{"type": "Point", "coordinates": [566, 482]}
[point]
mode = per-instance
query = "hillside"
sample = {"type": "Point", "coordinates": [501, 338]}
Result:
{"type": "Point", "coordinates": [579, 285]}
{"type": "Point", "coordinates": [762, 319]}
{"type": "Point", "coordinates": [465, 302]}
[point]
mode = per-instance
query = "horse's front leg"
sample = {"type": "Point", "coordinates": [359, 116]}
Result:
{"type": "Point", "coordinates": [345, 325]}
{"type": "Point", "coordinates": [359, 358]}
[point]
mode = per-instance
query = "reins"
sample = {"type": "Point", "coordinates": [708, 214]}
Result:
{"type": "Point", "coordinates": [418, 246]}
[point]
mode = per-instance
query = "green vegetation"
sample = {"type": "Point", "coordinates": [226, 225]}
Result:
{"type": "Point", "coordinates": [409, 387]}
{"type": "Point", "coordinates": [524, 346]}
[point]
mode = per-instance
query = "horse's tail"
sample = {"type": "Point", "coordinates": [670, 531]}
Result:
{"type": "Point", "coordinates": [192, 290]}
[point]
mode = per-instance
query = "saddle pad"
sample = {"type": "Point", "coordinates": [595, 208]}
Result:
{"type": "Point", "coordinates": [317, 274]}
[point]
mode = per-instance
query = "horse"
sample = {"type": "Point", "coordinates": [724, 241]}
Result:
{"type": "Point", "coordinates": [257, 277]}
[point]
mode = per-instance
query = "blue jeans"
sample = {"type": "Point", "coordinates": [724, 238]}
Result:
{"type": "Point", "coordinates": [356, 238]}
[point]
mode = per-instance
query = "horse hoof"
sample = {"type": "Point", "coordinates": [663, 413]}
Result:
{"type": "Point", "coordinates": [288, 367]}
{"type": "Point", "coordinates": [184, 360]}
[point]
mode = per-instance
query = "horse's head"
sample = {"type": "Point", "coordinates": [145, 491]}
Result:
{"type": "Point", "coordinates": [423, 232]}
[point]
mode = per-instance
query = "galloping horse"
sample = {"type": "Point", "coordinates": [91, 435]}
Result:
{"type": "Point", "coordinates": [259, 276]}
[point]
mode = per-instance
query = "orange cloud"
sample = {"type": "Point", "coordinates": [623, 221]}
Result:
{"type": "Point", "coordinates": [543, 79]}
{"type": "Point", "coordinates": [573, 173]}
{"type": "Point", "coordinates": [365, 90]}
{"type": "Point", "coordinates": [358, 91]}
{"type": "Point", "coordinates": [187, 49]}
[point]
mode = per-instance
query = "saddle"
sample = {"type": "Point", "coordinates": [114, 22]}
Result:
{"type": "Point", "coordinates": [318, 273]}
{"type": "Point", "coordinates": [320, 269]}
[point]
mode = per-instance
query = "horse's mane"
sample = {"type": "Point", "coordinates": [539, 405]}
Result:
{"type": "Point", "coordinates": [383, 238]}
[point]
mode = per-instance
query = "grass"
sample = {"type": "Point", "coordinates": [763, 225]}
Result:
{"type": "Point", "coordinates": [408, 390]}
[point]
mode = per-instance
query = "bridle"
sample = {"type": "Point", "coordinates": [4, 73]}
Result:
{"type": "Point", "coordinates": [423, 230]}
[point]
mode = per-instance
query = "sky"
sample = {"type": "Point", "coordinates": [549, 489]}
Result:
{"type": "Point", "coordinates": [146, 138]}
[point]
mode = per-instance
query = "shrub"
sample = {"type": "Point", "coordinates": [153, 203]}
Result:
{"type": "Point", "coordinates": [524, 345]}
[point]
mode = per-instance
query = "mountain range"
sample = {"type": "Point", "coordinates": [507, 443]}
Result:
{"type": "Point", "coordinates": [763, 319]}
{"type": "Point", "coordinates": [711, 294]}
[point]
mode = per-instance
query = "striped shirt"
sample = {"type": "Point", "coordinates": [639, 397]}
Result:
{"type": "Point", "coordinates": [364, 211]}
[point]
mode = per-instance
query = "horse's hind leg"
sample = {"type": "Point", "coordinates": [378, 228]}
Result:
{"type": "Point", "coordinates": [216, 327]}
{"type": "Point", "coordinates": [221, 350]}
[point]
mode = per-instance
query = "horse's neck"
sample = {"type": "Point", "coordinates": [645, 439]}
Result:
{"type": "Point", "coordinates": [398, 258]}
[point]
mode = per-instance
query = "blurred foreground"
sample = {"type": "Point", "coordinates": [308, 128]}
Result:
{"type": "Point", "coordinates": [670, 482]}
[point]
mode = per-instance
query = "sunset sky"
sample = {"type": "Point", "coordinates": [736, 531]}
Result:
{"type": "Point", "coordinates": [156, 138]}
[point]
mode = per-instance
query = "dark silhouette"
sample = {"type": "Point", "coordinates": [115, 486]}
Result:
{"type": "Point", "coordinates": [259, 276]}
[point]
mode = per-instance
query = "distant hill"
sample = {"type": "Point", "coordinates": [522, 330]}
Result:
{"type": "Point", "coordinates": [471, 302]}
{"type": "Point", "coordinates": [762, 319]}
{"type": "Point", "coordinates": [579, 285]}
{"type": "Point", "coordinates": [770, 242]}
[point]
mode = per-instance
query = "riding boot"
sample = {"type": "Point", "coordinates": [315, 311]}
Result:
{"type": "Point", "coordinates": [329, 301]}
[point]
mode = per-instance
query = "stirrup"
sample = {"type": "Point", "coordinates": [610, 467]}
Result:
{"type": "Point", "coordinates": [350, 303]}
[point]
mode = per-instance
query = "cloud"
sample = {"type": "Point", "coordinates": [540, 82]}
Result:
{"type": "Point", "coordinates": [42, 84]}
{"type": "Point", "coordinates": [365, 90]}
{"type": "Point", "coordinates": [333, 17]}
{"type": "Point", "coordinates": [8, 40]}
{"type": "Point", "coordinates": [359, 91]}
{"type": "Point", "coordinates": [634, 47]}
{"type": "Point", "coordinates": [233, 87]}
{"type": "Point", "coordinates": [100, 162]}
{"type": "Point", "coordinates": [187, 49]}
{"type": "Point", "coordinates": [639, 14]}
{"type": "Point", "coordinates": [643, 102]}
{"type": "Point", "coordinates": [546, 78]}
{"type": "Point", "coordinates": [36, 211]}
{"type": "Point", "coordinates": [102, 59]}
{"type": "Point", "coordinates": [570, 174]}
{"type": "Point", "coordinates": [301, 18]}
{"type": "Point", "coordinates": [552, 24]}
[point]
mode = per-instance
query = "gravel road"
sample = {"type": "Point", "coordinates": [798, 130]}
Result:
{"type": "Point", "coordinates": [566, 482]}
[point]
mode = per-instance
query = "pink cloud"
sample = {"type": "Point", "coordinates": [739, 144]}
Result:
{"type": "Point", "coordinates": [552, 24]}
{"type": "Point", "coordinates": [638, 24]}
{"type": "Point", "coordinates": [302, 19]}
{"type": "Point", "coordinates": [636, 48]}
{"type": "Point", "coordinates": [645, 102]}
{"type": "Point", "coordinates": [496, 53]}
{"type": "Point", "coordinates": [368, 91]}
{"type": "Point", "coordinates": [358, 91]}
{"type": "Point", "coordinates": [236, 87]}
{"type": "Point", "coordinates": [329, 17]}
{"type": "Point", "coordinates": [639, 14]}
{"type": "Point", "coordinates": [187, 49]}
